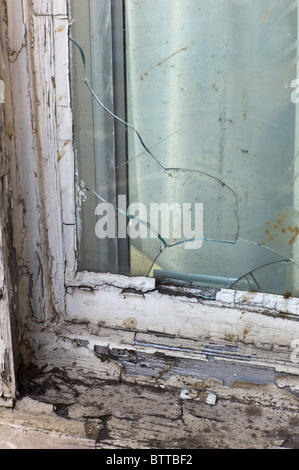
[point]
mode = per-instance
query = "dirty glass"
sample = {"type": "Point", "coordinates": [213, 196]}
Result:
{"type": "Point", "coordinates": [186, 138]}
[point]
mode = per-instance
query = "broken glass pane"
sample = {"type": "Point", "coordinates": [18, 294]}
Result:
{"type": "Point", "coordinates": [185, 118]}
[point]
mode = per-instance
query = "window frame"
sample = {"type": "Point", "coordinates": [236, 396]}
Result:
{"type": "Point", "coordinates": [77, 278]}
{"type": "Point", "coordinates": [115, 308]}
{"type": "Point", "coordinates": [178, 312]}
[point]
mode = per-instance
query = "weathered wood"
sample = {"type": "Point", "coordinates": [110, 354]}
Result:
{"type": "Point", "coordinates": [183, 317]}
{"type": "Point", "coordinates": [33, 157]}
{"type": "Point", "coordinates": [34, 425]}
{"type": "Point", "coordinates": [155, 391]}
{"type": "Point", "coordinates": [134, 415]}
{"type": "Point", "coordinates": [7, 370]}
{"type": "Point", "coordinates": [159, 364]}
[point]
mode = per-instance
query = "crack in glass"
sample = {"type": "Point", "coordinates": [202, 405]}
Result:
{"type": "Point", "coordinates": [260, 256]}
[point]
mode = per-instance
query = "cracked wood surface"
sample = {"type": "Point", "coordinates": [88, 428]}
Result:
{"type": "Point", "coordinates": [7, 370]}
{"type": "Point", "coordinates": [31, 120]}
{"type": "Point", "coordinates": [149, 390]}
{"type": "Point", "coordinates": [115, 414]}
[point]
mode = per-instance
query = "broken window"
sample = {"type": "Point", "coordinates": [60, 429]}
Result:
{"type": "Point", "coordinates": [185, 133]}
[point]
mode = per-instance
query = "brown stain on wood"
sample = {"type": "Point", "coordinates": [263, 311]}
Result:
{"type": "Point", "coordinates": [63, 152]}
{"type": "Point", "coordinates": [60, 29]}
{"type": "Point", "coordinates": [245, 332]}
{"type": "Point", "coordinates": [130, 322]}
{"type": "Point", "coordinates": [229, 336]}
{"type": "Point", "coordinates": [10, 130]}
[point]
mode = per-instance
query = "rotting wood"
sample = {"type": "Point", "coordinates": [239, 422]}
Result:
{"type": "Point", "coordinates": [158, 364]}
{"type": "Point", "coordinates": [117, 356]}
{"type": "Point", "coordinates": [134, 415]}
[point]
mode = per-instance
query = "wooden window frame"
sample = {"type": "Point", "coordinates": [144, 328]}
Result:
{"type": "Point", "coordinates": [104, 312]}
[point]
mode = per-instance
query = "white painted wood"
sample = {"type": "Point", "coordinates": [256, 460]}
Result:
{"type": "Point", "coordinates": [207, 397]}
{"type": "Point", "coordinates": [178, 316]}
{"type": "Point", "coordinates": [260, 300]}
{"type": "Point", "coordinates": [33, 149]}
{"type": "Point", "coordinates": [43, 61]}
{"type": "Point", "coordinates": [65, 136]}
{"type": "Point", "coordinates": [2, 92]}
{"type": "Point", "coordinates": [65, 153]}
{"type": "Point", "coordinates": [89, 279]}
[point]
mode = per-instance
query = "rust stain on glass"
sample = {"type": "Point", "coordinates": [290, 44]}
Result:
{"type": "Point", "coordinates": [186, 118]}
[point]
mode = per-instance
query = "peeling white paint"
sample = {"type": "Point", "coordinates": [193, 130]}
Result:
{"type": "Point", "coordinates": [206, 397]}
{"type": "Point", "coordinates": [2, 92]}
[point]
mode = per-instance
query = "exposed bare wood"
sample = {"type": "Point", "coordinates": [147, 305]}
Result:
{"type": "Point", "coordinates": [34, 425]}
{"type": "Point", "coordinates": [7, 370]}
{"type": "Point", "coordinates": [159, 415]}
{"type": "Point", "coordinates": [7, 309]}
